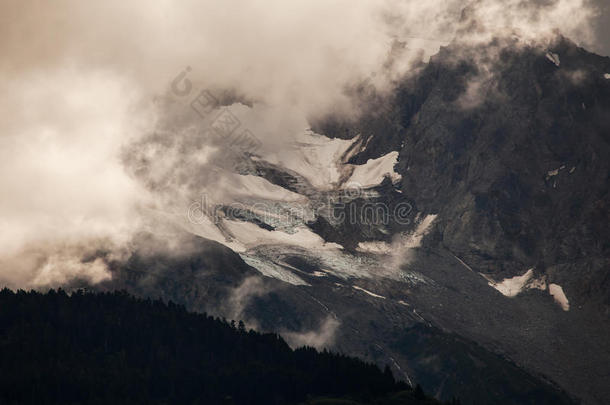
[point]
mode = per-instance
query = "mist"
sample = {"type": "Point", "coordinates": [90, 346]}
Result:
{"type": "Point", "coordinates": [87, 94]}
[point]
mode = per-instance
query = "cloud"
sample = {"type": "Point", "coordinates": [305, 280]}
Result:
{"type": "Point", "coordinates": [532, 20]}
{"type": "Point", "coordinates": [240, 297]}
{"type": "Point", "coordinates": [62, 182]}
{"type": "Point", "coordinates": [320, 338]}
{"type": "Point", "coordinates": [85, 92]}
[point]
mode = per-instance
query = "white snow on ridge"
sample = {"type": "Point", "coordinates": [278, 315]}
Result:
{"type": "Point", "coordinates": [238, 185]}
{"type": "Point", "coordinates": [252, 235]}
{"type": "Point", "coordinates": [271, 269]}
{"type": "Point", "coordinates": [240, 236]}
{"type": "Point", "coordinates": [553, 57]}
{"type": "Point", "coordinates": [368, 292]}
{"type": "Point", "coordinates": [332, 261]}
{"type": "Point", "coordinates": [204, 226]}
{"type": "Point", "coordinates": [372, 172]}
{"type": "Point", "coordinates": [560, 298]}
{"type": "Point", "coordinates": [321, 161]}
{"type": "Point", "coordinates": [511, 287]}
{"type": "Point", "coordinates": [314, 157]}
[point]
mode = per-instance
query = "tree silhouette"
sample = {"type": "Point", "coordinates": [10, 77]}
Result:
{"type": "Point", "coordinates": [101, 348]}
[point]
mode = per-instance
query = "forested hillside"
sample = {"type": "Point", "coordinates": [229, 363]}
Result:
{"type": "Point", "coordinates": [112, 348]}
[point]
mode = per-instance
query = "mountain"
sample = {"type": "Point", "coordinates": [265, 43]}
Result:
{"type": "Point", "coordinates": [386, 330]}
{"type": "Point", "coordinates": [113, 348]}
{"type": "Point", "coordinates": [456, 230]}
{"type": "Point", "coordinates": [507, 143]}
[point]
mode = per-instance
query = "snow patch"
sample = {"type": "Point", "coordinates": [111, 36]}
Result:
{"type": "Point", "coordinates": [270, 269]}
{"type": "Point", "coordinates": [510, 287]}
{"type": "Point", "coordinates": [315, 157]}
{"type": "Point", "coordinates": [332, 261]}
{"type": "Point", "coordinates": [241, 236]}
{"type": "Point", "coordinates": [553, 57]}
{"type": "Point", "coordinates": [251, 235]}
{"type": "Point", "coordinates": [372, 172]}
{"type": "Point", "coordinates": [237, 185]}
{"type": "Point", "coordinates": [368, 292]}
{"type": "Point", "coordinates": [208, 229]}
{"type": "Point", "coordinates": [560, 298]}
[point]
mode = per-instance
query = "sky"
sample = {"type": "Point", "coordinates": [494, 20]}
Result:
{"type": "Point", "coordinates": [85, 98]}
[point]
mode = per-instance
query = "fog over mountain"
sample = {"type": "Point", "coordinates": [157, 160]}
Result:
{"type": "Point", "coordinates": [423, 185]}
{"type": "Point", "coordinates": [81, 82]}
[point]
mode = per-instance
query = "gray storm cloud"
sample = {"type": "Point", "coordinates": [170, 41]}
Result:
{"type": "Point", "coordinates": [82, 84]}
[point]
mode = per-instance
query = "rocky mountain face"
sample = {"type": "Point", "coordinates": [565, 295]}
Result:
{"type": "Point", "coordinates": [456, 232]}
{"type": "Point", "coordinates": [519, 170]}
{"type": "Point", "coordinates": [343, 314]}
{"type": "Point", "coordinates": [508, 144]}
